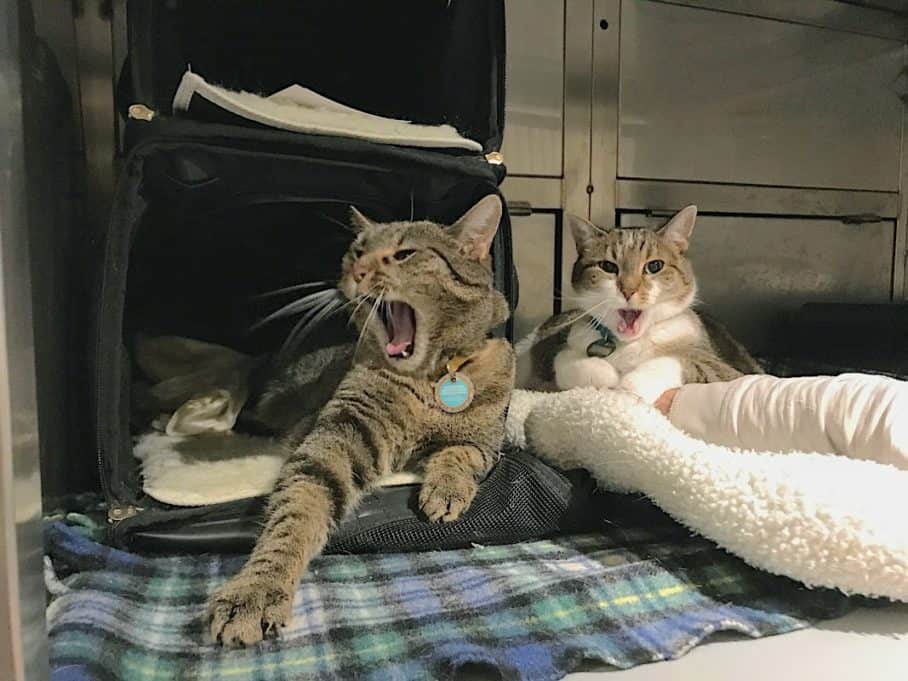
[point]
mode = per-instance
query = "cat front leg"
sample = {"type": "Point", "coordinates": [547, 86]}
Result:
{"type": "Point", "coordinates": [574, 369]}
{"type": "Point", "coordinates": [451, 479]}
{"type": "Point", "coordinates": [654, 377]}
{"type": "Point", "coordinates": [316, 488]}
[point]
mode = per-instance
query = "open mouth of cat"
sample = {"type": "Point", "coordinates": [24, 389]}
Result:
{"type": "Point", "coordinates": [400, 325]}
{"type": "Point", "coordinates": [629, 322]}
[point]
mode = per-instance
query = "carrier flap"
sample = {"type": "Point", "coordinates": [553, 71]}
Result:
{"type": "Point", "coordinates": [425, 61]}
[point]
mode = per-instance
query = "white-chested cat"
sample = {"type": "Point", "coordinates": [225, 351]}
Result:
{"type": "Point", "coordinates": [633, 326]}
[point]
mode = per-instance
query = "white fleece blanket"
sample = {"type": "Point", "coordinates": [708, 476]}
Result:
{"type": "Point", "coordinates": [823, 520]}
{"type": "Point", "coordinates": [212, 468]}
{"type": "Point", "coordinates": [300, 109]}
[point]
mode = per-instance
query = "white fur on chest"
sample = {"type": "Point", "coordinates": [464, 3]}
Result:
{"type": "Point", "coordinates": [684, 328]}
{"type": "Point", "coordinates": [643, 366]}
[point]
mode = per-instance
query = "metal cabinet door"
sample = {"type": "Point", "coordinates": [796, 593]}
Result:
{"type": "Point", "coordinates": [753, 272]}
{"type": "Point", "coordinates": [535, 84]}
{"type": "Point", "coordinates": [23, 636]}
{"type": "Point", "coordinates": [720, 97]}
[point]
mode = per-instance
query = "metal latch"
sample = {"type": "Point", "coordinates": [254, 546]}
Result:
{"type": "Point", "coordinates": [520, 208]}
{"type": "Point", "coordinates": [861, 219]}
{"type": "Point", "coordinates": [117, 513]}
{"type": "Point", "coordinates": [140, 112]}
{"type": "Point", "coordinates": [495, 158]}
{"type": "Point", "coordinates": [659, 213]}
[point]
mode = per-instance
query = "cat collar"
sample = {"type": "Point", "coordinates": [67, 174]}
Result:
{"type": "Point", "coordinates": [603, 346]}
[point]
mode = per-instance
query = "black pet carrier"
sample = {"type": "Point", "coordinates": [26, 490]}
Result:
{"type": "Point", "coordinates": [213, 208]}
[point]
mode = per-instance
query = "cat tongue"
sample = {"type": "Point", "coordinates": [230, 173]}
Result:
{"type": "Point", "coordinates": [402, 328]}
{"type": "Point", "coordinates": [628, 322]}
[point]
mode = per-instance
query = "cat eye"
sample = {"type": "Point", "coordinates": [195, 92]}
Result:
{"type": "Point", "coordinates": [654, 266]}
{"type": "Point", "coordinates": [403, 254]}
{"type": "Point", "coordinates": [609, 266]}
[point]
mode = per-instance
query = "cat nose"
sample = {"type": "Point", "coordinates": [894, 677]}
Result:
{"type": "Point", "coordinates": [627, 292]}
{"type": "Point", "coordinates": [360, 269]}
{"type": "Point", "coordinates": [367, 264]}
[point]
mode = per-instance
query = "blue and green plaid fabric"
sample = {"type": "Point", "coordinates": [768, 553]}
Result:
{"type": "Point", "coordinates": [632, 594]}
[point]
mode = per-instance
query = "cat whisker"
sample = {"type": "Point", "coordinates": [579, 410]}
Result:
{"type": "Point", "coordinates": [311, 321]}
{"type": "Point", "coordinates": [292, 289]}
{"type": "Point", "coordinates": [346, 227]}
{"type": "Point", "coordinates": [301, 305]}
{"type": "Point", "coordinates": [362, 298]}
{"type": "Point", "coordinates": [316, 316]}
{"type": "Point", "coordinates": [524, 348]}
{"type": "Point", "coordinates": [362, 333]}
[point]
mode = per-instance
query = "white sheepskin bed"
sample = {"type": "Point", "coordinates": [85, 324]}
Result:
{"type": "Point", "coordinates": [821, 519]}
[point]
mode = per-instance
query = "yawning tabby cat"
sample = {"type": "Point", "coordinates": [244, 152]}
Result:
{"type": "Point", "coordinates": [428, 388]}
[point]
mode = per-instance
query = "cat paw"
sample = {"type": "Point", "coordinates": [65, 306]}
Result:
{"type": "Point", "coordinates": [646, 388]}
{"type": "Point", "coordinates": [444, 498]}
{"type": "Point", "coordinates": [595, 372]}
{"type": "Point", "coordinates": [244, 611]}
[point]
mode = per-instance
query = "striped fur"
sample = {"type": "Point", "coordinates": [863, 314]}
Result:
{"type": "Point", "coordinates": [382, 417]}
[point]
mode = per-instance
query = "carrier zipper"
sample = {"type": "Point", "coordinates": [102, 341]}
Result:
{"type": "Point", "coordinates": [118, 513]}
{"type": "Point", "coordinates": [140, 112]}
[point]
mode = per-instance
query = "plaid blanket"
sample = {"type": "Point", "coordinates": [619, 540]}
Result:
{"type": "Point", "coordinates": [640, 591]}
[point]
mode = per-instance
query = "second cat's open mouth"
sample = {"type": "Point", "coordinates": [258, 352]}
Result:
{"type": "Point", "coordinates": [400, 324]}
{"type": "Point", "coordinates": [629, 321]}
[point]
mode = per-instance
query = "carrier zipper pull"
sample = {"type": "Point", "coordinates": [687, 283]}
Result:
{"type": "Point", "coordinates": [118, 513]}
{"type": "Point", "coordinates": [495, 158]}
{"type": "Point", "coordinates": [140, 112]}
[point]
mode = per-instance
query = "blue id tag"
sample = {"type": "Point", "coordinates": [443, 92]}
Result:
{"type": "Point", "coordinates": [454, 393]}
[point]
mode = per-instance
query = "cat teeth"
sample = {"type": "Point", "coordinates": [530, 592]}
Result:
{"type": "Point", "coordinates": [405, 354]}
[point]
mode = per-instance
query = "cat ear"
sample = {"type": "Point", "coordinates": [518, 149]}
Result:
{"type": "Point", "coordinates": [584, 232]}
{"type": "Point", "coordinates": [679, 228]}
{"type": "Point", "coordinates": [358, 221]}
{"type": "Point", "coordinates": [476, 228]}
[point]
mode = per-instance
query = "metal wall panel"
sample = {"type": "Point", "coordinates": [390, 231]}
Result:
{"type": "Point", "coordinates": [724, 198]}
{"type": "Point", "coordinates": [866, 18]}
{"type": "Point", "coordinates": [608, 33]}
{"type": "Point", "coordinates": [23, 638]}
{"type": "Point", "coordinates": [755, 271]}
{"type": "Point", "coordinates": [57, 235]}
{"type": "Point", "coordinates": [719, 97]}
{"type": "Point", "coordinates": [534, 116]}
{"type": "Point", "coordinates": [578, 76]}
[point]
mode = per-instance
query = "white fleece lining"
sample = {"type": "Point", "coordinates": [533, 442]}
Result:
{"type": "Point", "coordinates": [299, 109]}
{"type": "Point", "coordinates": [821, 519]}
{"type": "Point", "coordinates": [197, 470]}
